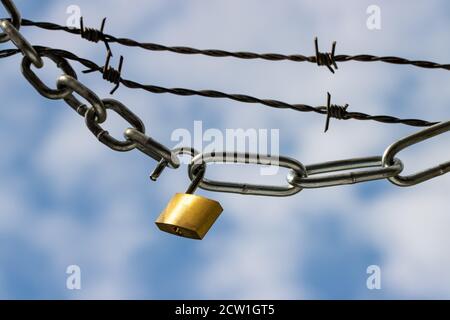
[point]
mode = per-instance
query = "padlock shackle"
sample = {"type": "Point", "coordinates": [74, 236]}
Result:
{"type": "Point", "coordinates": [198, 178]}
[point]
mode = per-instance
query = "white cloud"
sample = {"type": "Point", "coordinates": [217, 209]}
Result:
{"type": "Point", "coordinates": [259, 245]}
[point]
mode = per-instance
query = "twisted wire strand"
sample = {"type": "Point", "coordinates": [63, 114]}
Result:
{"type": "Point", "coordinates": [8, 53]}
{"type": "Point", "coordinates": [218, 94]}
{"type": "Point", "coordinates": [242, 54]}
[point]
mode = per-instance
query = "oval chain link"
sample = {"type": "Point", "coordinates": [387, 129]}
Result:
{"type": "Point", "coordinates": [337, 179]}
{"type": "Point", "coordinates": [396, 147]}
{"type": "Point", "coordinates": [152, 148]}
{"type": "Point", "coordinates": [37, 83]}
{"type": "Point", "coordinates": [15, 18]}
{"type": "Point", "coordinates": [66, 81]}
{"type": "Point", "coordinates": [103, 136]}
{"type": "Point", "coordinates": [244, 188]}
{"type": "Point", "coordinates": [21, 43]}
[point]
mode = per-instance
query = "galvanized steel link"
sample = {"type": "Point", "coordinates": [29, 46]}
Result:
{"type": "Point", "coordinates": [344, 178]}
{"type": "Point", "coordinates": [246, 158]}
{"type": "Point", "coordinates": [37, 83]}
{"type": "Point", "coordinates": [21, 43]}
{"type": "Point", "coordinates": [152, 148]}
{"type": "Point", "coordinates": [16, 20]}
{"type": "Point", "coordinates": [396, 147]}
{"type": "Point", "coordinates": [103, 136]}
{"type": "Point", "coordinates": [66, 81]}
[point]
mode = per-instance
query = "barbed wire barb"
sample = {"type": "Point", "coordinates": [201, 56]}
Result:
{"type": "Point", "coordinates": [109, 73]}
{"type": "Point", "coordinates": [326, 59]}
{"type": "Point", "coordinates": [334, 111]}
{"type": "Point", "coordinates": [94, 35]}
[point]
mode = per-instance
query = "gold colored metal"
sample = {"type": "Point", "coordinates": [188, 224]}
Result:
{"type": "Point", "coordinates": [189, 216]}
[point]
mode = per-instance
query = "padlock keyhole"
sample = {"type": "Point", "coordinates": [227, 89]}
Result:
{"type": "Point", "coordinates": [177, 231]}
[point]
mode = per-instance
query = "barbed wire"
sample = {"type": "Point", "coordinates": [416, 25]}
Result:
{"type": "Point", "coordinates": [243, 54]}
{"type": "Point", "coordinates": [300, 177]}
{"type": "Point", "coordinates": [323, 110]}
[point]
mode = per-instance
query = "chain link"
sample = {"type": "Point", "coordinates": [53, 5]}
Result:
{"type": "Point", "coordinates": [396, 147]}
{"type": "Point", "coordinates": [246, 158]}
{"type": "Point", "coordinates": [344, 178]}
{"type": "Point", "coordinates": [103, 136]}
{"type": "Point", "coordinates": [152, 148]}
{"type": "Point", "coordinates": [21, 43]}
{"type": "Point", "coordinates": [37, 83]}
{"type": "Point", "coordinates": [15, 18]}
{"type": "Point", "coordinates": [66, 81]}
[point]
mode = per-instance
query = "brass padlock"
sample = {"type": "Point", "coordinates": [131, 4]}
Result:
{"type": "Point", "coordinates": [189, 215]}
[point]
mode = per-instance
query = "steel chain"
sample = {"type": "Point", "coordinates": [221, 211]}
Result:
{"type": "Point", "coordinates": [311, 176]}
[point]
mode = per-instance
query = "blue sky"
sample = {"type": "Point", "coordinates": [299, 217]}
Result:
{"type": "Point", "coordinates": [66, 199]}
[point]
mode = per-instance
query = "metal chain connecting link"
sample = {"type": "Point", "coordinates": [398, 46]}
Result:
{"type": "Point", "coordinates": [336, 179]}
{"type": "Point", "coordinates": [36, 82]}
{"type": "Point", "coordinates": [396, 147]}
{"type": "Point", "coordinates": [67, 82]}
{"type": "Point", "coordinates": [152, 148]}
{"type": "Point", "coordinates": [299, 177]}
{"type": "Point", "coordinates": [21, 43]}
{"type": "Point", "coordinates": [247, 158]}
{"type": "Point", "coordinates": [16, 20]}
{"type": "Point", "coordinates": [103, 136]}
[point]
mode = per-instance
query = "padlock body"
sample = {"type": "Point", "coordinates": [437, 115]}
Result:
{"type": "Point", "coordinates": [189, 215]}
